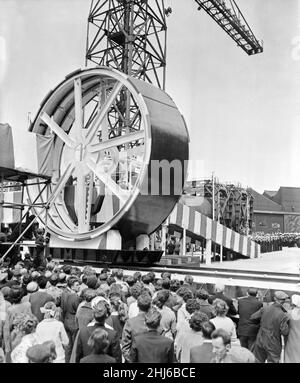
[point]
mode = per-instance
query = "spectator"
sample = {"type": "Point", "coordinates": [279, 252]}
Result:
{"type": "Point", "coordinates": [292, 347]}
{"type": "Point", "coordinates": [150, 346]}
{"type": "Point", "coordinates": [135, 292]}
{"type": "Point", "coordinates": [51, 329]}
{"type": "Point", "coordinates": [168, 318]}
{"type": "Point", "coordinates": [53, 290]}
{"type": "Point", "coordinates": [202, 296]}
{"type": "Point", "coordinates": [247, 330]}
{"type": "Point", "coordinates": [182, 314]}
{"type": "Point", "coordinates": [101, 313]}
{"type": "Point", "coordinates": [41, 353]}
{"type": "Point", "coordinates": [69, 305]}
{"type": "Point", "coordinates": [135, 325]}
{"type": "Point", "coordinates": [203, 353]}
{"type": "Point", "coordinates": [221, 321]}
{"type": "Point", "coordinates": [219, 293]}
{"type": "Point", "coordinates": [98, 342]}
{"type": "Point", "coordinates": [84, 313]}
{"type": "Point", "coordinates": [39, 298]}
{"type": "Point", "coordinates": [191, 337]}
{"type": "Point", "coordinates": [27, 326]}
{"type": "Point", "coordinates": [221, 342]}
{"type": "Point", "coordinates": [274, 323]}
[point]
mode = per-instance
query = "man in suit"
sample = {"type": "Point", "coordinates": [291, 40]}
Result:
{"type": "Point", "coordinates": [83, 347]}
{"type": "Point", "coordinates": [204, 352]}
{"type": "Point", "coordinates": [219, 293]}
{"type": "Point", "coordinates": [150, 346]}
{"type": "Point", "coordinates": [69, 305]}
{"type": "Point", "coordinates": [135, 325]}
{"type": "Point", "coordinates": [40, 298]}
{"type": "Point", "coordinates": [247, 330]}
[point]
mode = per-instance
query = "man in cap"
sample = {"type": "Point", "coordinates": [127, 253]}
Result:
{"type": "Point", "coordinates": [247, 306]}
{"type": "Point", "coordinates": [274, 323]}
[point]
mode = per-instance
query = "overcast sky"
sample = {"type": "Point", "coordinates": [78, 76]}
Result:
{"type": "Point", "coordinates": [242, 112]}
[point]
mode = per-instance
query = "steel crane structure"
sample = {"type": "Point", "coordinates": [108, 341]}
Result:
{"type": "Point", "coordinates": [131, 35]}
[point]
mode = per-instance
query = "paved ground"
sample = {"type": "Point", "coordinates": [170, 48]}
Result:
{"type": "Point", "coordinates": [285, 261]}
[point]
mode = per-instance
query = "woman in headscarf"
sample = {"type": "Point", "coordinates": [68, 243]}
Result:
{"type": "Point", "coordinates": [26, 323]}
{"type": "Point", "coordinates": [50, 328]}
{"type": "Point", "coordinates": [292, 347]}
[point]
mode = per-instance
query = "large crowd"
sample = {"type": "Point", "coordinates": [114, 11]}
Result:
{"type": "Point", "coordinates": [52, 312]}
{"type": "Point", "coordinates": [275, 241]}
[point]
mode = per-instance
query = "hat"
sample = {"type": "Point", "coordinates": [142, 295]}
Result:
{"type": "Point", "coordinates": [3, 276]}
{"type": "Point", "coordinates": [62, 277]}
{"type": "Point", "coordinates": [41, 353]}
{"type": "Point", "coordinates": [32, 287]}
{"type": "Point", "coordinates": [280, 295]}
{"type": "Point", "coordinates": [96, 300]}
{"type": "Point", "coordinates": [48, 274]}
{"type": "Point", "coordinates": [296, 300]}
{"type": "Point", "coordinates": [35, 274]}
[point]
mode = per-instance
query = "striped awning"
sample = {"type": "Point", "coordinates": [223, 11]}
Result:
{"type": "Point", "coordinates": [197, 223]}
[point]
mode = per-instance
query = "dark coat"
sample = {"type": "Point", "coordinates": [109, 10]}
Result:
{"type": "Point", "coordinates": [273, 324]}
{"type": "Point", "coordinates": [82, 348]}
{"type": "Point", "coordinates": [132, 328]}
{"type": "Point", "coordinates": [246, 307]}
{"type": "Point", "coordinates": [84, 315]}
{"type": "Point", "coordinates": [229, 301]}
{"type": "Point", "coordinates": [38, 300]}
{"type": "Point", "coordinates": [151, 347]}
{"type": "Point", "coordinates": [69, 305]}
{"type": "Point", "coordinates": [202, 353]}
{"type": "Point", "coordinates": [98, 358]}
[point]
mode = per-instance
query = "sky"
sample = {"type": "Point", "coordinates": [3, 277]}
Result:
{"type": "Point", "coordinates": [242, 112]}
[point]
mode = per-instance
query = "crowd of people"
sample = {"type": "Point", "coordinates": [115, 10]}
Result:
{"type": "Point", "coordinates": [66, 314]}
{"type": "Point", "coordinates": [275, 241]}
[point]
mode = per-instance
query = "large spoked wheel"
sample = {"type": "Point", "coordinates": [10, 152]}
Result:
{"type": "Point", "coordinates": [96, 137]}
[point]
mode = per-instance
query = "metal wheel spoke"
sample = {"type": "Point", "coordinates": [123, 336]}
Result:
{"type": "Point", "coordinates": [58, 130]}
{"type": "Point", "coordinates": [103, 111]}
{"type": "Point", "coordinates": [81, 196]}
{"type": "Point", "coordinates": [122, 194]}
{"type": "Point", "coordinates": [62, 182]}
{"type": "Point", "coordinates": [116, 141]}
{"type": "Point", "coordinates": [78, 123]}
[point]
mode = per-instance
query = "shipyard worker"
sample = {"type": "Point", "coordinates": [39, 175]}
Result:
{"type": "Point", "coordinates": [39, 259]}
{"type": "Point", "coordinates": [247, 330]}
{"type": "Point", "coordinates": [150, 346]}
{"type": "Point", "coordinates": [274, 323]}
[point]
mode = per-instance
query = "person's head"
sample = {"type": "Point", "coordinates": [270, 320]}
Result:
{"type": "Point", "coordinates": [188, 279]}
{"type": "Point", "coordinates": [88, 295]}
{"type": "Point", "coordinates": [62, 278]}
{"type": "Point", "coordinates": [40, 231]}
{"type": "Point", "coordinates": [161, 298]}
{"type": "Point", "coordinates": [192, 305]}
{"type": "Point", "coordinates": [17, 275]}
{"type": "Point", "coordinates": [185, 293]}
{"type": "Point", "coordinates": [166, 274]}
{"type": "Point", "coordinates": [119, 274]}
{"type": "Point", "coordinates": [295, 300]}
{"type": "Point", "coordinates": [146, 279]}
{"type": "Point", "coordinates": [101, 309]}
{"type": "Point", "coordinates": [42, 281]}
{"type": "Point", "coordinates": [74, 284]}
{"type": "Point", "coordinates": [280, 297]}
{"type": "Point", "coordinates": [219, 288]}
{"type": "Point", "coordinates": [166, 283]}
{"type": "Point", "coordinates": [220, 307]}
{"type": "Point", "coordinates": [16, 294]}
{"type": "Point", "coordinates": [67, 269]}
{"type": "Point", "coordinates": [98, 341]}
{"type": "Point", "coordinates": [252, 292]}
{"type": "Point", "coordinates": [32, 287]}
{"type": "Point", "coordinates": [207, 328]}
{"type": "Point", "coordinates": [103, 277]}
{"type": "Point", "coordinates": [28, 324]}
{"type": "Point", "coordinates": [158, 284]}
{"type": "Point", "coordinates": [26, 279]}
{"type": "Point", "coordinates": [135, 291]}
{"type": "Point", "coordinates": [174, 285]}
{"type": "Point", "coordinates": [111, 280]}
{"type": "Point", "coordinates": [130, 280]}
{"type": "Point", "coordinates": [151, 275]}
{"type": "Point", "coordinates": [220, 342]}
{"type": "Point", "coordinates": [152, 318]}
{"type": "Point", "coordinates": [50, 311]}
{"type": "Point", "coordinates": [91, 281]}
{"type": "Point", "coordinates": [144, 302]}
{"type": "Point", "coordinates": [197, 319]}
{"type": "Point", "coordinates": [137, 276]}
{"type": "Point", "coordinates": [53, 280]}
{"type": "Point", "coordinates": [201, 294]}
{"type": "Point", "coordinates": [42, 353]}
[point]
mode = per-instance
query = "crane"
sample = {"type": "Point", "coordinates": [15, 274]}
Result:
{"type": "Point", "coordinates": [131, 35]}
